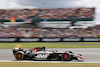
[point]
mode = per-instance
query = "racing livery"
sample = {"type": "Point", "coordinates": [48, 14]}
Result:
{"type": "Point", "coordinates": [40, 53]}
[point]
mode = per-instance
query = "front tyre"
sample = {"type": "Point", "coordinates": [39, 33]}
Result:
{"type": "Point", "coordinates": [19, 56]}
{"type": "Point", "coordinates": [66, 57]}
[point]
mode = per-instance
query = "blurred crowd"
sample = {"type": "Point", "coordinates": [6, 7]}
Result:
{"type": "Point", "coordinates": [55, 13]}
{"type": "Point", "coordinates": [41, 33]}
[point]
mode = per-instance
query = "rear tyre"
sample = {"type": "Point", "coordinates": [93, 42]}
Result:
{"type": "Point", "coordinates": [66, 57]}
{"type": "Point", "coordinates": [19, 56]}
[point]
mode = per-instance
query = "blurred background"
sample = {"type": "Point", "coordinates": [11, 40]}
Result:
{"type": "Point", "coordinates": [48, 23]}
{"type": "Point", "coordinates": [35, 20]}
{"type": "Point", "coordinates": [62, 24]}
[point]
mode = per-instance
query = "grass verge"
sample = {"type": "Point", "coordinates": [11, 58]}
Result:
{"type": "Point", "coordinates": [17, 64]}
{"type": "Point", "coordinates": [49, 45]}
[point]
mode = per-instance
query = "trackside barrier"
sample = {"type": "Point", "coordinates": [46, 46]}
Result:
{"type": "Point", "coordinates": [22, 39]}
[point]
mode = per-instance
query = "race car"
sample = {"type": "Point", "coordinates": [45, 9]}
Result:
{"type": "Point", "coordinates": [41, 53]}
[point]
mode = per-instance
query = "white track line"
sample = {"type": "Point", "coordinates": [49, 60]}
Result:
{"type": "Point", "coordinates": [47, 61]}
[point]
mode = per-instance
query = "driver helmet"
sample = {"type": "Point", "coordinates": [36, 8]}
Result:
{"type": "Point", "coordinates": [19, 46]}
{"type": "Point", "coordinates": [44, 47]}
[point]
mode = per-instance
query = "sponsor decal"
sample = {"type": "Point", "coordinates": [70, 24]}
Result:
{"type": "Point", "coordinates": [29, 39]}
{"type": "Point", "coordinates": [71, 39]}
{"type": "Point", "coordinates": [7, 39]}
{"type": "Point", "coordinates": [91, 39]}
{"type": "Point", "coordinates": [51, 39]}
{"type": "Point", "coordinates": [44, 56]}
{"type": "Point", "coordinates": [34, 50]}
{"type": "Point", "coordinates": [28, 20]}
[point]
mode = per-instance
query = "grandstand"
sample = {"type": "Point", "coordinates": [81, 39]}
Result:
{"type": "Point", "coordinates": [49, 14]}
{"type": "Point", "coordinates": [48, 23]}
{"type": "Point", "coordinates": [29, 31]}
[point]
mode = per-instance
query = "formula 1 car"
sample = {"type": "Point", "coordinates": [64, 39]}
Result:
{"type": "Point", "coordinates": [41, 53]}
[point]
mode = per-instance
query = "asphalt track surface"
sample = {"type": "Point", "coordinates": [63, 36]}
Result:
{"type": "Point", "coordinates": [91, 55]}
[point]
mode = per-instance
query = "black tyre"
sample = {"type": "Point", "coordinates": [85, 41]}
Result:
{"type": "Point", "coordinates": [19, 56]}
{"type": "Point", "coordinates": [66, 57]}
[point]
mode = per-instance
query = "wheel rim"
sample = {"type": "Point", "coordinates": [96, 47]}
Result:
{"type": "Point", "coordinates": [18, 56]}
{"type": "Point", "coordinates": [65, 56]}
